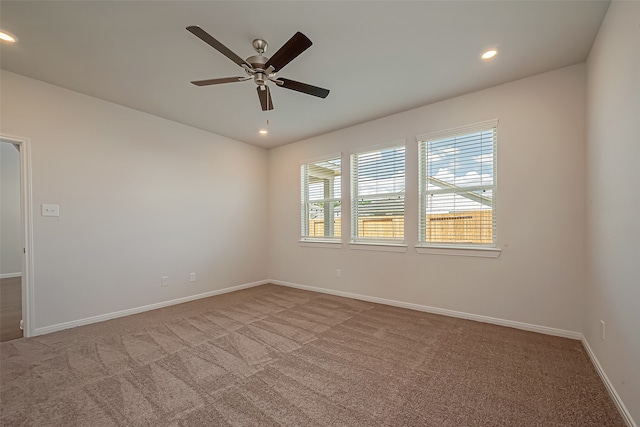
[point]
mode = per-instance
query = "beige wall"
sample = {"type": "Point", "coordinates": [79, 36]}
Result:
{"type": "Point", "coordinates": [613, 200]}
{"type": "Point", "coordinates": [539, 277]}
{"type": "Point", "coordinates": [140, 197]}
{"type": "Point", "coordinates": [11, 246]}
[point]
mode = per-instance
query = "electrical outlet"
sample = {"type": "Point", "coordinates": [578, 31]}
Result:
{"type": "Point", "coordinates": [602, 323]}
{"type": "Point", "coordinates": [164, 281]}
{"type": "Point", "coordinates": [192, 277]}
{"type": "Point", "coordinates": [50, 209]}
{"type": "Point", "coordinates": [338, 273]}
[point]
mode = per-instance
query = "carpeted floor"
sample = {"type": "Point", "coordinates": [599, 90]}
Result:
{"type": "Point", "coordinates": [273, 356]}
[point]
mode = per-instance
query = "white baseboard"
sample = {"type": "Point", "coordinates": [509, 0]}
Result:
{"type": "Point", "coordinates": [136, 310]}
{"type": "Point", "coordinates": [451, 313]}
{"type": "Point", "coordinates": [624, 412]}
{"type": "Point", "coordinates": [10, 275]}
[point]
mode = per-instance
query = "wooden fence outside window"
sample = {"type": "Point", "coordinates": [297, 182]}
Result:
{"type": "Point", "coordinates": [459, 227]}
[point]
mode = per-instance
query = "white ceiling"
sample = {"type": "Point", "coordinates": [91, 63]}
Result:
{"type": "Point", "coordinates": [377, 58]}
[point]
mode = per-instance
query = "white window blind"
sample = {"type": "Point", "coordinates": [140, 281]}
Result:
{"type": "Point", "coordinates": [321, 187]}
{"type": "Point", "coordinates": [377, 195]}
{"type": "Point", "coordinates": [457, 186]}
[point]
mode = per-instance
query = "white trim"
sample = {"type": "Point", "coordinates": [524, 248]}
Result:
{"type": "Point", "coordinates": [377, 246]}
{"type": "Point", "coordinates": [624, 412]}
{"type": "Point", "coordinates": [321, 244]}
{"type": "Point", "coordinates": [10, 275]}
{"type": "Point", "coordinates": [451, 313]}
{"type": "Point", "coordinates": [28, 284]}
{"type": "Point", "coordinates": [136, 310]}
{"type": "Point", "coordinates": [459, 251]}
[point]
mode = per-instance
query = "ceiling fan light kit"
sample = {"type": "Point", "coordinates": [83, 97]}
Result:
{"type": "Point", "coordinates": [261, 68]}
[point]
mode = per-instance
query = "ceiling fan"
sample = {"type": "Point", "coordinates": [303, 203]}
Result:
{"type": "Point", "coordinates": [262, 68]}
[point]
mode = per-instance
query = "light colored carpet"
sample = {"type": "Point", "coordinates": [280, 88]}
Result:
{"type": "Point", "coordinates": [274, 356]}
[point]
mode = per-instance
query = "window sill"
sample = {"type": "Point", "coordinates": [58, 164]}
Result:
{"type": "Point", "coordinates": [381, 247]}
{"type": "Point", "coordinates": [459, 251]}
{"type": "Point", "coordinates": [332, 244]}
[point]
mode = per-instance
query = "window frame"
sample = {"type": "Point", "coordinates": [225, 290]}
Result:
{"type": "Point", "coordinates": [374, 243]}
{"type": "Point", "coordinates": [456, 248]}
{"type": "Point", "coordinates": [318, 241]}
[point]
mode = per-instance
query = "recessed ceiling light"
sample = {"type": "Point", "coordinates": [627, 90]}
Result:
{"type": "Point", "coordinates": [263, 131]}
{"type": "Point", "coordinates": [4, 36]}
{"type": "Point", "coordinates": [489, 54]}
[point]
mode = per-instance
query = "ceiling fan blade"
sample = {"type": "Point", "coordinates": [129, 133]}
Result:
{"type": "Point", "coordinates": [289, 51]}
{"type": "Point", "coordinates": [208, 39]}
{"type": "Point", "coordinates": [265, 98]}
{"type": "Point", "coordinates": [218, 81]}
{"type": "Point", "coordinates": [304, 88]}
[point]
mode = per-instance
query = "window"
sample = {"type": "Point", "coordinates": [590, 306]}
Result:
{"type": "Point", "coordinates": [457, 186]}
{"type": "Point", "coordinates": [321, 199]}
{"type": "Point", "coordinates": [377, 195]}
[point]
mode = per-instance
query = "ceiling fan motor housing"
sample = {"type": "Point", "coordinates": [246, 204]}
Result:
{"type": "Point", "coordinates": [257, 62]}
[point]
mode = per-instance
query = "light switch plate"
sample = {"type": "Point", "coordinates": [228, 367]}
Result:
{"type": "Point", "coordinates": [50, 210]}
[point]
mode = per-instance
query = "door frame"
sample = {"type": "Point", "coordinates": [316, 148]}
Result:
{"type": "Point", "coordinates": [26, 214]}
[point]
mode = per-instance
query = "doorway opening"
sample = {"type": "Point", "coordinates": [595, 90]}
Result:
{"type": "Point", "coordinates": [16, 274]}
